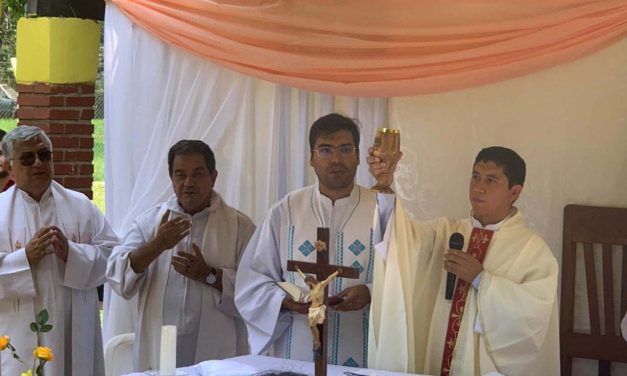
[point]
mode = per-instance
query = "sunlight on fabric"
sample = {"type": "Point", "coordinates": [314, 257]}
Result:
{"type": "Point", "coordinates": [375, 48]}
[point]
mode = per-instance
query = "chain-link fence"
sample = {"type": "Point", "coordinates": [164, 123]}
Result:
{"type": "Point", "coordinates": [8, 95]}
{"type": "Point", "coordinates": [8, 102]}
{"type": "Point", "coordinates": [98, 131]}
{"type": "Point", "coordinates": [99, 180]}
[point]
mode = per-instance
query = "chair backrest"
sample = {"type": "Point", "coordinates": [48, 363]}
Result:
{"type": "Point", "coordinates": [118, 355]}
{"type": "Point", "coordinates": [595, 229]}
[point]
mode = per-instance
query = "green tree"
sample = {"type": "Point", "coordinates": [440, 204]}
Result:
{"type": "Point", "coordinates": [12, 10]}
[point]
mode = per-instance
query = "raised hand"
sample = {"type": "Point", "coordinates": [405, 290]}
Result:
{"type": "Point", "coordinates": [171, 232]}
{"type": "Point", "coordinates": [383, 169]}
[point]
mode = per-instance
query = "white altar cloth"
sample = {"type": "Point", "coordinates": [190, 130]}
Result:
{"type": "Point", "coordinates": [249, 365]}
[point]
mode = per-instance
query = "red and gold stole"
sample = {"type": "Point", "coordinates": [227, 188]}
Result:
{"type": "Point", "coordinates": [479, 242]}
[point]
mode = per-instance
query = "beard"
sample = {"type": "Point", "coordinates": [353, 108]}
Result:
{"type": "Point", "coordinates": [4, 174]}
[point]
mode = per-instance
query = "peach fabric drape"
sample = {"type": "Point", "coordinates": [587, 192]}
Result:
{"type": "Point", "coordinates": [383, 48]}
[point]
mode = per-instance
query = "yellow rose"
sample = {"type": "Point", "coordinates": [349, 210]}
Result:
{"type": "Point", "coordinates": [4, 342]}
{"type": "Point", "coordinates": [44, 353]}
{"type": "Point", "coordinates": [27, 373]}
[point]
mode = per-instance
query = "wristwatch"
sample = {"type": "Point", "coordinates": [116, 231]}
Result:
{"type": "Point", "coordinates": [212, 277]}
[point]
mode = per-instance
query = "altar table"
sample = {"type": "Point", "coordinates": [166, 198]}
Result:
{"type": "Point", "coordinates": [249, 365]}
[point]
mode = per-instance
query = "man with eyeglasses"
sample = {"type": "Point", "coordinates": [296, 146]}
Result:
{"type": "Point", "coordinates": [180, 259]}
{"type": "Point", "coordinates": [5, 179]}
{"type": "Point", "coordinates": [277, 325]}
{"type": "Point", "coordinates": [54, 245]}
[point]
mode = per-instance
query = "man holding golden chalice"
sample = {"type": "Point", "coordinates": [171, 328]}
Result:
{"type": "Point", "coordinates": [387, 147]}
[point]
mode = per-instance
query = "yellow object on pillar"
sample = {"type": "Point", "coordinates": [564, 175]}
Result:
{"type": "Point", "coordinates": [57, 50]}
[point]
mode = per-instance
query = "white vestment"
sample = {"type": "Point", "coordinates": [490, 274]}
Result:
{"type": "Point", "coordinates": [208, 325]}
{"type": "Point", "coordinates": [515, 305]}
{"type": "Point", "coordinates": [119, 316]}
{"type": "Point", "coordinates": [66, 289]}
{"type": "Point", "coordinates": [289, 233]}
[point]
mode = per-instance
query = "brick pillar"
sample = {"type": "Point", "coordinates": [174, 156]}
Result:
{"type": "Point", "coordinates": [64, 112]}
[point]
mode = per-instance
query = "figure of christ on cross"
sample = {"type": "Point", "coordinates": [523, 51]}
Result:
{"type": "Point", "coordinates": [325, 273]}
{"type": "Point", "coordinates": [317, 309]}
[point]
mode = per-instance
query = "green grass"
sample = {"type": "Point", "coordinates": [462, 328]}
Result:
{"type": "Point", "coordinates": [98, 150]}
{"type": "Point", "coordinates": [7, 124]}
{"type": "Point", "coordinates": [98, 186]}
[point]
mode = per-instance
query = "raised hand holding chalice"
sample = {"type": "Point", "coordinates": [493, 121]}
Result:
{"type": "Point", "coordinates": [387, 147]}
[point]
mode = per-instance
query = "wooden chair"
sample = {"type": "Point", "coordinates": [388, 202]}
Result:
{"type": "Point", "coordinates": [589, 225]}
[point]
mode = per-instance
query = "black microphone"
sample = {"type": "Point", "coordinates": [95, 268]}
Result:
{"type": "Point", "coordinates": [456, 241]}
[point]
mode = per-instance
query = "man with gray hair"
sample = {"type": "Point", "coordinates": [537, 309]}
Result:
{"type": "Point", "coordinates": [5, 179]}
{"type": "Point", "coordinates": [54, 245]}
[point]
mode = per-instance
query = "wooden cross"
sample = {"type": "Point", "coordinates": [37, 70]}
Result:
{"type": "Point", "coordinates": [322, 270]}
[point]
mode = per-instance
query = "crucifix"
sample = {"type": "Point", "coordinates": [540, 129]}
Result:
{"type": "Point", "coordinates": [322, 270]}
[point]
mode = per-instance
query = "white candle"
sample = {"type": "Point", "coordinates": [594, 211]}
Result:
{"type": "Point", "coordinates": [168, 350]}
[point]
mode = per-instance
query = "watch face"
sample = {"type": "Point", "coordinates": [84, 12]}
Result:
{"type": "Point", "coordinates": [211, 278]}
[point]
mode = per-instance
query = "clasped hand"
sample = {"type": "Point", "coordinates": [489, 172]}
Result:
{"type": "Point", "coordinates": [47, 240]}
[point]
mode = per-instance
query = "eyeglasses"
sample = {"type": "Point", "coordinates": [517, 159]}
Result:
{"type": "Point", "coordinates": [28, 159]}
{"type": "Point", "coordinates": [326, 152]}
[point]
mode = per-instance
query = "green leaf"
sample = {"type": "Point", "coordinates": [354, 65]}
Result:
{"type": "Point", "coordinates": [42, 317]}
{"type": "Point", "coordinates": [34, 327]}
{"type": "Point", "coordinates": [40, 369]}
{"type": "Point", "coordinates": [45, 328]}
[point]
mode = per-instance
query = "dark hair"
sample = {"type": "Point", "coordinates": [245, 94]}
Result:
{"type": "Point", "coordinates": [2, 133]}
{"type": "Point", "coordinates": [332, 123]}
{"type": "Point", "coordinates": [189, 147]}
{"type": "Point", "coordinates": [513, 165]}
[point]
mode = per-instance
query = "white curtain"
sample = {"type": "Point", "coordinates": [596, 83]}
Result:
{"type": "Point", "coordinates": [156, 95]}
{"type": "Point", "coordinates": [569, 123]}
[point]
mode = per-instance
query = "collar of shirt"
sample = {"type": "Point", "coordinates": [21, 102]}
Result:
{"type": "Point", "coordinates": [344, 201]}
{"type": "Point", "coordinates": [44, 197]}
{"type": "Point", "coordinates": [214, 203]}
{"type": "Point", "coordinates": [495, 226]}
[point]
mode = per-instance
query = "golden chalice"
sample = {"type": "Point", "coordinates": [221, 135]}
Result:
{"type": "Point", "coordinates": [387, 145]}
